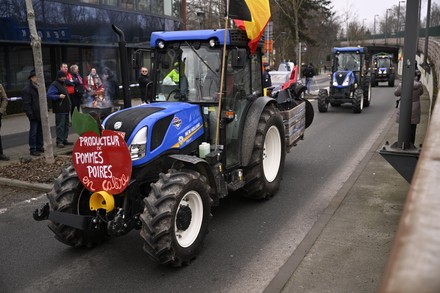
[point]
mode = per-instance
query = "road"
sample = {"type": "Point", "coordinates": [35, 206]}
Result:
{"type": "Point", "coordinates": [248, 241]}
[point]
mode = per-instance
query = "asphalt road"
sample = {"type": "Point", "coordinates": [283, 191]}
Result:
{"type": "Point", "coordinates": [248, 241]}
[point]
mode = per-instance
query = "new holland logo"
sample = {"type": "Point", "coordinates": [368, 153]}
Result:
{"type": "Point", "coordinates": [117, 125]}
{"type": "Point", "coordinates": [177, 122]}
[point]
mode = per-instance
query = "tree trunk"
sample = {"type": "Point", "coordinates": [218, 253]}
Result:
{"type": "Point", "coordinates": [38, 63]}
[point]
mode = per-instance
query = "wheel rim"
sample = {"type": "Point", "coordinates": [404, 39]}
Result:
{"type": "Point", "coordinates": [189, 218]}
{"type": "Point", "coordinates": [362, 102]}
{"type": "Point", "coordinates": [272, 153]}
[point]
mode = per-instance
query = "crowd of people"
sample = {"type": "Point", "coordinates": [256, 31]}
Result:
{"type": "Point", "coordinates": [67, 92]}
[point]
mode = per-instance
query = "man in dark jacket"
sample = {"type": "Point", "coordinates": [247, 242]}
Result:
{"type": "Point", "coordinates": [31, 106]}
{"type": "Point", "coordinates": [143, 80]}
{"type": "Point", "coordinates": [61, 106]}
{"type": "Point", "coordinates": [111, 85]}
{"type": "Point", "coordinates": [309, 73]}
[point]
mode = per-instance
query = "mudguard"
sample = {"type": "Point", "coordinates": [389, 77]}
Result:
{"type": "Point", "coordinates": [250, 128]}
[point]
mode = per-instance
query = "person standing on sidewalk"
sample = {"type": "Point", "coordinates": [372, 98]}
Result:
{"type": "Point", "coordinates": [309, 73]}
{"type": "Point", "coordinates": [31, 106]}
{"type": "Point", "coordinates": [57, 92]}
{"type": "Point", "coordinates": [416, 111]}
{"type": "Point", "coordinates": [3, 104]}
{"type": "Point", "coordinates": [78, 87]}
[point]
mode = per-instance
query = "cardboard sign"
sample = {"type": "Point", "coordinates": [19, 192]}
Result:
{"type": "Point", "coordinates": [102, 162]}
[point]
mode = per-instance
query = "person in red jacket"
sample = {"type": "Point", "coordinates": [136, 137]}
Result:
{"type": "Point", "coordinates": [69, 83]}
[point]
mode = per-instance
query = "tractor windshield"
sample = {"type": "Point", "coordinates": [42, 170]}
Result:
{"type": "Point", "coordinates": [188, 73]}
{"type": "Point", "coordinates": [383, 63]}
{"type": "Point", "coordinates": [348, 62]}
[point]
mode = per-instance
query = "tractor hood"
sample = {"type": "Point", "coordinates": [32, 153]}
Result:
{"type": "Point", "coordinates": [342, 79]}
{"type": "Point", "coordinates": [153, 129]}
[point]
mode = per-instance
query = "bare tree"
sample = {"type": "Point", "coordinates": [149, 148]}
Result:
{"type": "Point", "coordinates": [38, 60]}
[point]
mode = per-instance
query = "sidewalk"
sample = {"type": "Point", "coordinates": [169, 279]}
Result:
{"type": "Point", "coordinates": [18, 124]}
{"type": "Point", "coordinates": [348, 247]}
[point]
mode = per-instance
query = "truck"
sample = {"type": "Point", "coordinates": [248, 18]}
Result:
{"type": "Point", "coordinates": [382, 69]}
{"type": "Point", "coordinates": [203, 138]}
{"type": "Point", "coordinates": [349, 83]}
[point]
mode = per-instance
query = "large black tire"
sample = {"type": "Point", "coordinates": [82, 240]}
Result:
{"type": "Point", "coordinates": [366, 86]}
{"type": "Point", "coordinates": [176, 217]}
{"type": "Point", "coordinates": [391, 80]}
{"type": "Point", "coordinates": [373, 80]}
{"type": "Point", "coordinates": [358, 101]}
{"type": "Point", "coordinates": [310, 113]}
{"type": "Point", "coordinates": [264, 173]}
{"type": "Point", "coordinates": [69, 196]}
{"type": "Point", "coordinates": [323, 100]}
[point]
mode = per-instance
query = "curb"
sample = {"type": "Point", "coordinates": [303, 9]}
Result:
{"type": "Point", "coordinates": [24, 184]}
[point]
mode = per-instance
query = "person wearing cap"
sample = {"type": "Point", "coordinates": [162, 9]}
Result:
{"type": "Point", "coordinates": [3, 104]}
{"type": "Point", "coordinates": [61, 106]}
{"type": "Point", "coordinates": [31, 106]}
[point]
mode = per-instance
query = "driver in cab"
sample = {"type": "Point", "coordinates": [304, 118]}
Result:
{"type": "Point", "coordinates": [173, 75]}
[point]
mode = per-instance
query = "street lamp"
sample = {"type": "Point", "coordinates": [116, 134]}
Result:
{"type": "Point", "coordinates": [386, 25]}
{"type": "Point", "coordinates": [201, 15]}
{"type": "Point", "coordinates": [398, 22]}
{"type": "Point", "coordinates": [374, 26]}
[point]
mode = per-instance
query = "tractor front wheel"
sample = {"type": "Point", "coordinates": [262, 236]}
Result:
{"type": "Point", "coordinates": [176, 216]}
{"type": "Point", "coordinates": [322, 101]}
{"type": "Point", "coordinates": [358, 101]}
{"type": "Point", "coordinates": [69, 196]}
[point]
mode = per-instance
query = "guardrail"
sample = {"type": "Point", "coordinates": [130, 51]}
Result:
{"type": "Point", "coordinates": [414, 262]}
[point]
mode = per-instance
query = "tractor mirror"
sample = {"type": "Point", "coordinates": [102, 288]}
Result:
{"type": "Point", "coordinates": [239, 58]}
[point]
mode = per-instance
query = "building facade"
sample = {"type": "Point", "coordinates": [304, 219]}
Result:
{"type": "Point", "coordinates": [80, 32]}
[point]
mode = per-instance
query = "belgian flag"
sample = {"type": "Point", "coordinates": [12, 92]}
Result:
{"type": "Point", "coordinates": [251, 16]}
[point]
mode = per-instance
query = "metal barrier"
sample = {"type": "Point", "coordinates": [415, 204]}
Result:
{"type": "Point", "coordinates": [414, 263]}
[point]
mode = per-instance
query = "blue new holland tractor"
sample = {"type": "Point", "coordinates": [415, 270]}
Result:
{"type": "Point", "coordinates": [350, 82]}
{"type": "Point", "coordinates": [189, 148]}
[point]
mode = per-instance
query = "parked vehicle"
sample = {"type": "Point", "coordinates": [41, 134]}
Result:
{"type": "Point", "coordinates": [188, 148]}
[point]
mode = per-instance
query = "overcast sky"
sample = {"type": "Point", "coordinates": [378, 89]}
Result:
{"type": "Point", "coordinates": [364, 10]}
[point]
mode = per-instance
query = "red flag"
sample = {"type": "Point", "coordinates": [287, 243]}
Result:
{"type": "Point", "coordinates": [260, 12]}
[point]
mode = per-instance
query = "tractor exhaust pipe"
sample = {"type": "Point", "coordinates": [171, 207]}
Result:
{"type": "Point", "coordinates": [124, 66]}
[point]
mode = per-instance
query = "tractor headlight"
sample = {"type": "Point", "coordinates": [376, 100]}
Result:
{"type": "Point", "coordinates": [138, 146]}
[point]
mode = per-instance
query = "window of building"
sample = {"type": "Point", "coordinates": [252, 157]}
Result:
{"type": "Point", "coordinates": [90, 1]}
{"type": "Point", "coordinates": [127, 4]}
{"type": "Point", "coordinates": [110, 2]}
{"type": "Point", "coordinates": [157, 6]}
{"type": "Point", "coordinates": [144, 5]}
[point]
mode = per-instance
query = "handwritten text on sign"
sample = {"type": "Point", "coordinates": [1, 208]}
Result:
{"type": "Point", "coordinates": [102, 163]}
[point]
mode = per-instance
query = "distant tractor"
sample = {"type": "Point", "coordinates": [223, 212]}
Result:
{"type": "Point", "coordinates": [349, 81]}
{"type": "Point", "coordinates": [382, 69]}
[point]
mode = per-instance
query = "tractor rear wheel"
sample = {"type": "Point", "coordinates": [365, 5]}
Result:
{"type": "Point", "coordinates": [70, 196]}
{"type": "Point", "coordinates": [176, 217]}
{"type": "Point", "coordinates": [322, 101]}
{"type": "Point", "coordinates": [264, 173]}
{"type": "Point", "coordinates": [358, 101]}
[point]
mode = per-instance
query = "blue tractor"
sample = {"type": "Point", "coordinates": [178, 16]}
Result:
{"type": "Point", "coordinates": [382, 69]}
{"type": "Point", "coordinates": [189, 148]}
{"type": "Point", "coordinates": [350, 82]}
